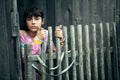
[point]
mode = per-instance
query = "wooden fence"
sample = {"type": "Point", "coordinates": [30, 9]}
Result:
{"type": "Point", "coordinates": [89, 53]}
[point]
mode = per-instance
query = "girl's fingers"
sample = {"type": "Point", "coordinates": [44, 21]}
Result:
{"type": "Point", "coordinates": [41, 34]}
{"type": "Point", "coordinates": [59, 27]}
{"type": "Point", "coordinates": [59, 34]}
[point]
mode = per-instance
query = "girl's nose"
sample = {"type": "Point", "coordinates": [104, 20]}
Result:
{"type": "Point", "coordinates": [33, 20]}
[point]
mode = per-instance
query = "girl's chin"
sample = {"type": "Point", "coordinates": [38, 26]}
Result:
{"type": "Point", "coordinates": [34, 30]}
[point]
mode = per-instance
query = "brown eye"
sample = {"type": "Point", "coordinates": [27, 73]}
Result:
{"type": "Point", "coordinates": [37, 18]}
{"type": "Point", "coordinates": [28, 19]}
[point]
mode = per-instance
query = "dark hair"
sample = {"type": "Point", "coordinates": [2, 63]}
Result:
{"type": "Point", "coordinates": [30, 12]}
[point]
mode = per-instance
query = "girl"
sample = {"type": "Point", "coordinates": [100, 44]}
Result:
{"type": "Point", "coordinates": [33, 33]}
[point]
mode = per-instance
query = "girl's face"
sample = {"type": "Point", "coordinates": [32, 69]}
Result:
{"type": "Point", "coordinates": [34, 23]}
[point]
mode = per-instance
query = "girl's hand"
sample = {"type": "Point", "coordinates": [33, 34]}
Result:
{"type": "Point", "coordinates": [41, 34]}
{"type": "Point", "coordinates": [59, 32]}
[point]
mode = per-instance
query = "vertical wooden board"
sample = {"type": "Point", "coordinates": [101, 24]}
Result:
{"type": "Point", "coordinates": [50, 47]}
{"type": "Point", "coordinates": [116, 54]}
{"type": "Point", "coordinates": [102, 69]}
{"type": "Point", "coordinates": [65, 61]}
{"type": "Point", "coordinates": [8, 62]}
{"type": "Point", "coordinates": [73, 53]}
{"type": "Point", "coordinates": [63, 12]}
{"type": "Point", "coordinates": [50, 13]}
{"type": "Point", "coordinates": [9, 58]}
{"type": "Point", "coordinates": [118, 29]}
{"type": "Point", "coordinates": [87, 53]}
{"type": "Point", "coordinates": [108, 57]}
{"type": "Point", "coordinates": [80, 52]}
{"type": "Point", "coordinates": [85, 11]}
{"type": "Point", "coordinates": [77, 12]}
{"type": "Point", "coordinates": [4, 56]}
{"type": "Point", "coordinates": [94, 16]}
{"type": "Point", "coordinates": [58, 53]}
{"type": "Point", "coordinates": [94, 56]}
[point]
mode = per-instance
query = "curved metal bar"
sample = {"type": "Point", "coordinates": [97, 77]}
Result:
{"type": "Point", "coordinates": [63, 71]}
{"type": "Point", "coordinates": [44, 65]}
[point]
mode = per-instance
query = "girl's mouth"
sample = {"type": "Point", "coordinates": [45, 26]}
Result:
{"type": "Point", "coordinates": [33, 27]}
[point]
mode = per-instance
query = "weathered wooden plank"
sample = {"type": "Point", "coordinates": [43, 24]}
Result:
{"type": "Point", "coordinates": [85, 11]}
{"type": "Point", "coordinates": [93, 11]}
{"type": "Point", "coordinates": [15, 27]}
{"type": "Point", "coordinates": [43, 69]}
{"type": "Point", "coordinates": [76, 11]}
{"type": "Point", "coordinates": [102, 73]}
{"type": "Point", "coordinates": [29, 70]}
{"type": "Point", "coordinates": [108, 57]}
{"type": "Point", "coordinates": [50, 46]}
{"type": "Point", "coordinates": [58, 52]}
{"type": "Point", "coordinates": [73, 53]}
{"type": "Point", "coordinates": [115, 51]}
{"type": "Point", "coordinates": [95, 73]}
{"type": "Point", "coordinates": [9, 57]}
{"type": "Point", "coordinates": [87, 53]}
{"type": "Point", "coordinates": [4, 48]}
{"type": "Point", "coordinates": [58, 10]}
{"type": "Point", "coordinates": [66, 62]}
{"type": "Point", "coordinates": [80, 52]}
